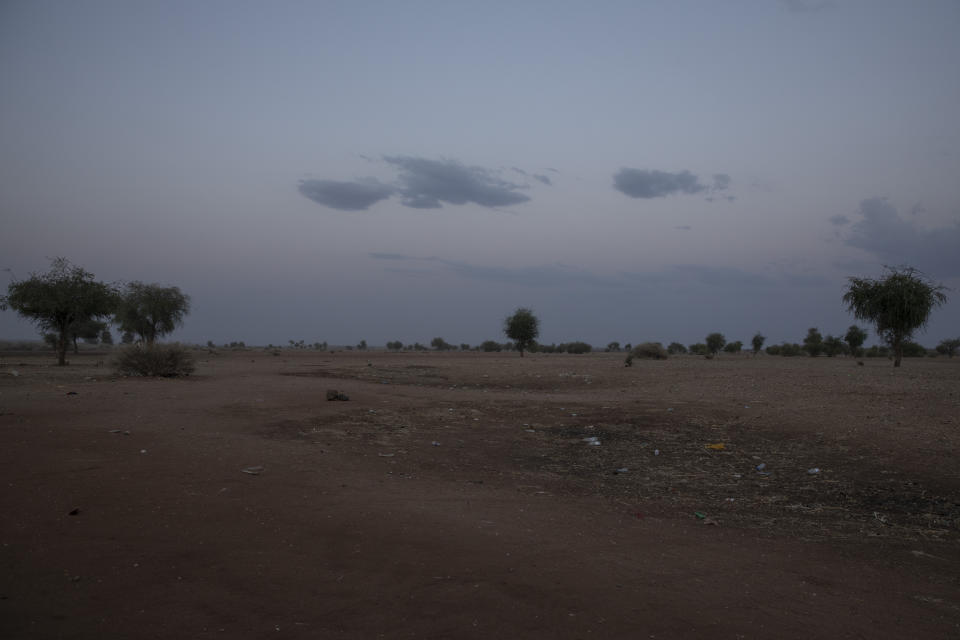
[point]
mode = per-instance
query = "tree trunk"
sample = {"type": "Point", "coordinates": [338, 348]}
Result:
{"type": "Point", "coordinates": [897, 352]}
{"type": "Point", "coordinates": [521, 352]}
{"type": "Point", "coordinates": [62, 349]}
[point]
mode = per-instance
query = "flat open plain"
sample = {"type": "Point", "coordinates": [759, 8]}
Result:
{"type": "Point", "coordinates": [455, 496]}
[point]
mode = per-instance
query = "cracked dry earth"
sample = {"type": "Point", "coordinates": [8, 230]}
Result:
{"type": "Point", "coordinates": [459, 495]}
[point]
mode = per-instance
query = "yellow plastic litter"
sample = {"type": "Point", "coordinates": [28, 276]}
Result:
{"type": "Point", "coordinates": [717, 447]}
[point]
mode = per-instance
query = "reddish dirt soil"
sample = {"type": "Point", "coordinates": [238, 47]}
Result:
{"type": "Point", "coordinates": [454, 496]}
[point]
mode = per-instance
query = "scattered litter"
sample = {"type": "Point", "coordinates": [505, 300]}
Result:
{"type": "Point", "coordinates": [143, 450]}
{"type": "Point", "coordinates": [334, 394]}
{"type": "Point", "coordinates": [717, 447]}
{"type": "Point", "coordinates": [656, 452]}
{"type": "Point", "coordinates": [700, 515]}
{"type": "Point", "coordinates": [670, 409]}
{"type": "Point", "coordinates": [730, 499]}
{"type": "Point", "coordinates": [530, 430]}
{"type": "Point", "coordinates": [738, 475]}
{"type": "Point", "coordinates": [435, 443]}
{"type": "Point", "coordinates": [74, 512]}
{"type": "Point", "coordinates": [746, 406]}
{"type": "Point", "coordinates": [879, 518]}
{"type": "Point", "coordinates": [14, 373]}
{"type": "Point", "coordinates": [763, 473]}
{"type": "Point", "coordinates": [593, 441]}
{"type": "Point", "coordinates": [711, 521]}
{"type": "Point", "coordinates": [761, 466]}
{"type": "Point", "coordinates": [253, 471]}
{"type": "Point", "coordinates": [622, 470]}
{"type": "Point", "coordinates": [116, 430]}
{"type": "Point", "coordinates": [385, 455]}
{"type": "Point", "coordinates": [813, 471]}
{"type": "Point", "coordinates": [72, 393]}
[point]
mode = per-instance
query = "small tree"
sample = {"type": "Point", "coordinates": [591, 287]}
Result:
{"type": "Point", "coordinates": [87, 330]}
{"type": "Point", "coordinates": [396, 345]}
{"type": "Point", "coordinates": [832, 345]}
{"type": "Point", "coordinates": [855, 338]}
{"type": "Point", "coordinates": [715, 342]}
{"type": "Point", "coordinates": [613, 347]}
{"type": "Point", "coordinates": [60, 299]}
{"type": "Point", "coordinates": [675, 347]}
{"type": "Point", "coordinates": [440, 344]}
{"type": "Point", "coordinates": [757, 342]}
{"type": "Point", "coordinates": [813, 343]}
{"type": "Point", "coordinates": [362, 345]}
{"type": "Point", "coordinates": [699, 349]}
{"type": "Point", "coordinates": [490, 346]}
{"type": "Point", "coordinates": [949, 347]}
{"type": "Point", "coordinates": [151, 311]}
{"type": "Point", "coordinates": [522, 327]}
{"type": "Point", "coordinates": [898, 304]}
{"type": "Point", "coordinates": [733, 347]}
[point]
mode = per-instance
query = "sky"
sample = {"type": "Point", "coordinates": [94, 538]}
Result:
{"type": "Point", "coordinates": [346, 171]}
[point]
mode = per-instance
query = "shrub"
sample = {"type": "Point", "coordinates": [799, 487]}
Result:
{"type": "Point", "coordinates": [773, 350]}
{"type": "Point", "coordinates": [650, 350]}
{"type": "Point", "coordinates": [913, 350]}
{"type": "Point", "coordinates": [490, 346]}
{"type": "Point", "coordinates": [675, 348]}
{"type": "Point", "coordinates": [733, 347]}
{"type": "Point", "coordinates": [699, 349]}
{"type": "Point", "coordinates": [813, 343]}
{"type": "Point", "coordinates": [164, 360]}
{"type": "Point", "coordinates": [715, 342]}
{"type": "Point", "coordinates": [790, 349]}
{"type": "Point", "coordinates": [577, 347]}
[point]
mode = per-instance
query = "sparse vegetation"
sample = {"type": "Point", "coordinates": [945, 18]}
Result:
{"type": "Point", "coordinates": [647, 350]}
{"type": "Point", "coordinates": [699, 349]}
{"type": "Point", "coordinates": [832, 346]}
{"type": "Point", "coordinates": [733, 347]}
{"type": "Point", "coordinates": [898, 304]}
{"type": "Point", "coordinates": [156, 360]}
{"type": "Point", "coordinates": [490, 346]}
{"type": "Point", "coordinates": [441, 345]}
{"type": "Point", "coordinates": [396, 345]}
{"type": "Point", "coordinates": [949, 347]}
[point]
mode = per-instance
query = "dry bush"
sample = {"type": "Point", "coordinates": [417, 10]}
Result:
{"type": "Point", "coordinates": [163, 360]}
{"type": "Point", "coordinates": [648, 350]}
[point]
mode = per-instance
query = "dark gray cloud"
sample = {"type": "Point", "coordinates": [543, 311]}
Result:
{"type": "Point", "coordinates": [839, 220]}
{"type": "Point", "coordinates": [642, 183]}
{"type": "Point", "coordinates": [894, 241]}
{"type": "Point", "coordinates": [426, 184]}
{"type": "Point", "coordinates": [346, 196]}
{"type": "Point", "coordinates": [683, 227]}
{"type": "Point", "coordinates": [542, 178]}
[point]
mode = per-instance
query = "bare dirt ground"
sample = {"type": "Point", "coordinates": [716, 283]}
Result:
{"type": "Point", "coordinates": [455, 496]}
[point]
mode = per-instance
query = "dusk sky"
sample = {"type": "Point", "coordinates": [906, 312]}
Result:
{"type": "Point", "coordinates": [631, 171]}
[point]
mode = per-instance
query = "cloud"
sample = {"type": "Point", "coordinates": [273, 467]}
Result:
{"type": "Point", "coordinates": [542, 178]}
{"type": "Point", "coordinates": [426, 184]}
{"type": "Point", "coordinates": [346, 196]}
{"type": "Point", "coordinates": [891, 239]}
{"type": "Point", "coordinates": [839, 220]}
{"type": "Point", "coordinates": [683, 227]}
{"type": "Point", "coordinates": [641, 183]}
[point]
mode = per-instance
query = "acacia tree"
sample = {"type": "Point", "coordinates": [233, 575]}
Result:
{"type": "Point", "coordinates": [757, 342]}
{"type": "Point", "coordinates": [151, 311]}
{"type": "Point", "coordinates": [715, 342]}
{"type": "Point", "coordinates": [57, 301]}
{"type": "Point", "coordinates": [522, 327]}
{"type": "Point", "coordinates": [813, 343]}
{"type": "Point", "coordinates": [855, 338]}
{"type": "Point", "coordinates": [898, 304]}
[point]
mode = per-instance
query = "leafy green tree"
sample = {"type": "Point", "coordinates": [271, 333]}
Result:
{"type": "Point", "coordinates": [577, 347]}
{"type": "Point", "coordinates": [898, 304]}
{"type": "Point", "coordinates": [855, 338]}
{"type": "Point", "coordinates": [813, 343]}
{"type": "Point", "coordinates": [522, 327]}
{"type": "Point", "coordinates": [949, 347]}
{"type": "Point", "coordinates": [613, 347]}
{"type": "Point", "coordinates": [675, 347]}
{"type": "Point", "coordinates": [715, 342]}
{"type": "Point", "coordinates": [396, 345]}
{"type": "Point", "coordinates": [832, 345]}
{"type": "Point", "coordinates": [151, 311]}
{"type": "Point", "coordinates": [757, 342]}
{"type": "Point", "coordinates": [87, 330]}
{"type": "Point", "coordinates": [59, 299]}
{"type": "Point", "coordinates": [464, 346]}
{"type": "Point", "coordinates": [362, 345]}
